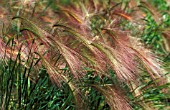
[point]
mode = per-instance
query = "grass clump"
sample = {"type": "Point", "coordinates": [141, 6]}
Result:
{"type": "Point", "coordinates": [84, 55]}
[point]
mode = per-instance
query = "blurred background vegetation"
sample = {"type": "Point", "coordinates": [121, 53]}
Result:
{"type": "Point", "coordinates": [24, 85]}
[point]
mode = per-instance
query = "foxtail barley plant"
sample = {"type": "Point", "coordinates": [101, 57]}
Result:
{"type": "Point", "coordinates": [91, 50]}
